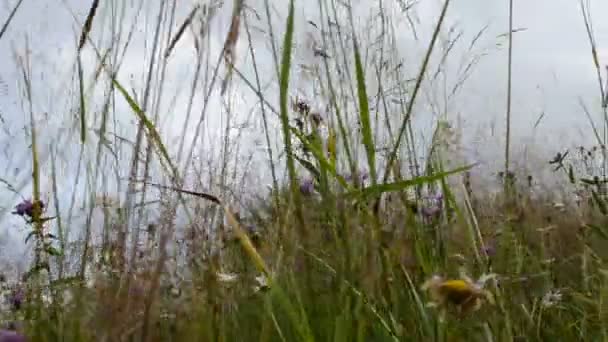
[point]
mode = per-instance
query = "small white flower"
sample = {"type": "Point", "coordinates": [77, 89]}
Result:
{"type": "Point", "coordinates": [175, 292]}
{"type": "Point", "coordinates": [548, 261]}
{"type": "Point", "coordinates": [262, 283]}
{"type": "Point", "coordinates": [226, 277]}
{"type": "Point", "coordinates": [167, 315]}
{"type": "Point", "coordinates": [546, 229]}
{"type": "Point", "coordinates": [481, 282]}
{"type": "Point", "coordinates": [551, 298]}
{"type": "Point", "coordinates": [47, 299]}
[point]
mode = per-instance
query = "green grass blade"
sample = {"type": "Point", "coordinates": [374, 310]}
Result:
{"type": "Point", "coordinates": [318, 154]}
{"type": "Point", "coordinates": [308, 165]}
{"type": "Point", "coordinates": [376, 190]}
{"type": "Point", "coordinates": [152, 132]}
{"type": "Point", "coordinates": [284, 93]}
{"type": "Point", "coordinates": [364, 119]}
{"type": "Point", "coordinates": [83, 125]}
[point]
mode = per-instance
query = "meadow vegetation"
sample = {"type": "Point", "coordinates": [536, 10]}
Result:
{"type": "Point", "coordinates": [365, 234]}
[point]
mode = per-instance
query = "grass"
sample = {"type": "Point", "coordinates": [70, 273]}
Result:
{"type": "Point", "coordinates": [335, 250]}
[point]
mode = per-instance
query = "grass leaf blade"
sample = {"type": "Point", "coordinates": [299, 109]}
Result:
{"type": "Point", "coordinates": [364, 119]}
{"type": "Point", "coordinates": [376, 190]}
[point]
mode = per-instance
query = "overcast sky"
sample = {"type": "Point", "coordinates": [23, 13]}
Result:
{"type": "Point", "coordinates": [552, 69]}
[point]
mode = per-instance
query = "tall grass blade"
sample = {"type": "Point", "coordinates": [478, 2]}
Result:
{"type": "Point", "coordinates": [83, 124]}
{"type": "Point", "coordinates": [152, 132]}
{"type": "Point", "coordinates": [376, 190]}
{"type": "Point", "coordinates": [284, 112]}
{"type": "Point", "coordinates": [10, 18]}
{"type": "Point", "coordinates": [229, 53]}
{"type": "Point", "coordinates": [86, 29]}
{"type": "Point", "coordinates": [364, 120]}
{"type": "Point", "coordinates": [181, 30]}
{"type": "Point", "coordinates": [509, 90]}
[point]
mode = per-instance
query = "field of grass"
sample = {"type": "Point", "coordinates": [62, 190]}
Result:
{"type": "Point", "coordinates": [365, 234]}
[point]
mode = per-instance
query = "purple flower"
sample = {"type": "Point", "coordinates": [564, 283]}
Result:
{"type": "Point", "coordinates": [16, 298]}
{"type": "Point", "coordinates": [433, 206]}
{"type": "Point", "coordinates": [251, 229]}
{"type": "Point", "coordinates": [316, 118]}
{"type": "Point", "coordinates": [27, 208]}
{"type": "Point", "coordinates": [362, 176]}
{"type": "Point", "coordinates": [431, 211]}
{"type": "Point", "coordinates": [489, 250]}
{"type": "Point", "coordinates": [307, 186]}
{"type": "Point", "coordinates": [11, 336]}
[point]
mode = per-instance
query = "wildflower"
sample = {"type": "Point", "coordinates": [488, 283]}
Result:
{"type": "Point", "coordinates": [11, 336]}
{"type": "Point", "coordinates": [431, 211]}
{"type": "Point", "coordinates": [316, 118]}
{"type": "Point", "coordinates": [464, 294]}
{"type": "Point", "coordinates": [459, 258]}
{"type": "Point", "coordinates": [262, 284]}
{"type": "Point", "coordinates": [13, 326]}
{"type": "Point", "coordinates": [307, 186]}
{"type": "Point", "coordinates": [16, 299]}
{"type": "Point", "coordinates": [175, 292]}
{"type": "Point", "coordinates": [226, 277]}
{"type": "Point", "coordinates": [551, 298]}
{"type": "Point", "coordinates": [546, 229]}
{"type": "Point", "coordinates": [167, 315]}
{"type": "Point", "coordinates": [548, 261]}
{"type": "Point", "coordinates": [254, 234]}
{"type": "Point", "coordinates": [488, 250]}
{"type": "Point", "coordinates": [433, 206]}
{"type": "Point", "coordinates": [27, 208]}
{"type": "Point", "coordinates": [301, 106]}
{"type": "Point", "coordinates": [362, 176]}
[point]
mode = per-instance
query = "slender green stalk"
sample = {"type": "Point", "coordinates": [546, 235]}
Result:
{"type": "Point", "coordinates": [509, 86]}
{"type": "Point", "coordinates": [284, 93]}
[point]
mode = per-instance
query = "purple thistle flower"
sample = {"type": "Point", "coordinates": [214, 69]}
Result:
{"type": "Point", "coordinates": [11, 336]}
{"type": "Point", "coordinates": [430, 211]}
{"type": "Point", "coordinates": [11, 325]}
{"type": "Point", "coordinates": [316, 118]}
{"type": "Point", "coordinates": [307, 186]}
{"type": "Point", "coordinates": [16, 298]}
{"type": "Point", "coordinates": [251, 229]}
{"type": "Point", "coordinates": [362, 176]}
{"type": "Point", "coordinates": [489, 250]}
{"type": "Point", "coordinates": [433, 206]}
{"type": "Point", "coordinates": [26, 208]}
